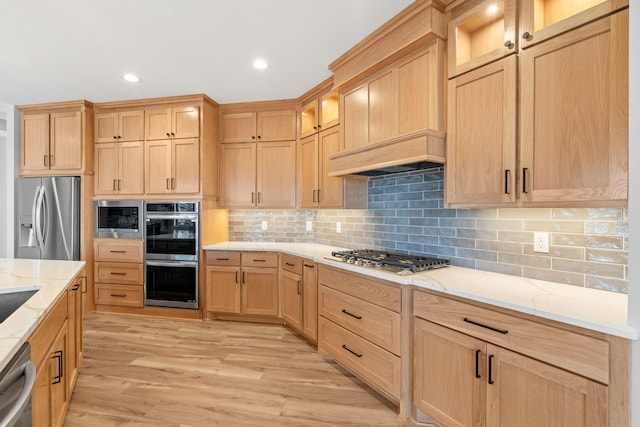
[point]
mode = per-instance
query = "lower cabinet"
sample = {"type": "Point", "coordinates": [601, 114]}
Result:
{"type": "Point", "coordinates": [119, 272]}
{"type": "Point", "coordinates": [299, 295]}
{"type": "Point", "coordinates": [475, 367]}
{"type": "Point", "coordinates": [242, 283]}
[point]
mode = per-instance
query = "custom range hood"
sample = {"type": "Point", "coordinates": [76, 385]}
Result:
{"type": "Point", "coordinates": [392, 96]}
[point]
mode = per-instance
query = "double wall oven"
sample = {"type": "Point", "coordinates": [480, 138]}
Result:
{"type": "Point", "coordinates": [171, 240]}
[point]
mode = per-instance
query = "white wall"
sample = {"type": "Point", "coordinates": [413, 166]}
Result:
{"type": "Point", "coordinates": [8, 141]}
{"type": "Point", "coordinates": [634, 204]}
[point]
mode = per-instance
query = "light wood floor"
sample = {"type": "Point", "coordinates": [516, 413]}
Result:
{"type": "Point", "coordinates": [154, 372]}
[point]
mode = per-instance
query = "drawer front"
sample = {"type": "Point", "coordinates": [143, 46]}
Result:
{"type": "Point", "coordinates": [259, 259]}
{"type": "Point", "coordinates": [291, 263]}
{"type": "Point", "coordinates": [112, 272]}
{"type": "Point", "coordinates": [120, 295]}
{"type": "Point", "coordinates": [379, 292]}
{"type": "Point", "coordinates": [119, 250]}
{"type": "Point", "coordinates": [223, 258]}
{"type": "Point", "coordinates": [373, 364]}
{"type": "Point", "coordinates": [377, 324]}
{"type": "Point", "coordinates": [584, 355]}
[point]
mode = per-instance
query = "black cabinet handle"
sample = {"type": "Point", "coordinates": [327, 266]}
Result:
{"type": "Point", "coordinates": [289, 264]}
{"type": "Point", "coordinates": [351, 351]}
{"type": "Point", "coordinates": [478, 363]}
{"type": "Point", "coordinates": [299, 287]}
{"type": "Point", "coordinates": [236, 277]}
{"type": "Point", "coordinates": [168, 134]}
{"type": "Point", "coordinates": [75, 287]}
{"type": "Point", "coordinates": [490, 380]}
{"type": "Point", "coordinates": [502, 331]}
{"type": "Point", "coordinates": [118, 252]}
{"type": "Point", "coordinates": [352, 315]}
{"type": "Point", "coordinates": [259, 260]}
{"type": "Point", "coordinates": [58, 378]}
{"type": "Point", "coordinates": [525, 171]}
{"type": "Point", "coordinates": [309, 266]}
{"type": "Point", "coordinates": [118, 273]}
{"type": "Point", "coordinates": [119, 295]}
{"type": "Point", "coordinates": [507, 175]}
{"type": "Point", "coordinates": [243, 277]}
{"type": "Point", "coordinates": [222, 259]}
{"type": "Point", "coordinates": [115, 137]}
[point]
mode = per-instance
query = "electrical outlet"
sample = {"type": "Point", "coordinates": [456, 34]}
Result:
{"type": "Point", "coordinates": [264, 226]}
{"type": "Point", "coordinates": [541, 242]}
{"type": "Point", "coordinates": [338, 227]}
{"type": "Point", "coordinates": [309, 226]}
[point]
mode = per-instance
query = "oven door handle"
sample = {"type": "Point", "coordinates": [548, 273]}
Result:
{"type": "Point", "coordinates": [29, 372]}
{"type": "Point", "coordinates": [172, 263]}
{"type": "Point", "coordinates": [192, 217]}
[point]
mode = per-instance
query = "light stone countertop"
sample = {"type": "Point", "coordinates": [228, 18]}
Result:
{"type": "Point", "coordinates": [593, 309]}
{"type": "Point", "coordinates": [51, 277]}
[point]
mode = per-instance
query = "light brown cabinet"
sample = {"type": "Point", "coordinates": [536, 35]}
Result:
{"type": "Point", "coordinates": [53, 138]}
{"type": "Point", "coordinates": [119, 272]}
{"type": "Point", "coordinates": [119, 168]}
{"type": "Point", "coordinates": [254, 126]}
{"type": "Point", "coordinates": [242, 283]}
{"type": "Point", "coordinates": [172, 166]}
{"type": "Point", "coordinates": [320, 113]}
{"type": "Point", "coordinates": [299, 295]}
{"type": "Point", "coordinates": [503, 370]}
{"type": "Point", "coordinates": [172, 123]}
{"type": "Point", "coordinates": [119, 126]}
{"type": "Point", "coordinates": [75, 305]}
{"type": "Point", "coordinates": [573, 139]}
{"type": "Point", "coordinates": [258, 174]}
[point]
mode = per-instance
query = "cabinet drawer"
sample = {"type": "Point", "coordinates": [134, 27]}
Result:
{"type": "Point", "coordinates": [291, 263]}
{"type": "Point", "coordinates": [118, 250]}
{"type": "Point", "coordinates": [42, 338]}
{"type": "Point", "coordinates": [222, 258]}
{"type": "Point", "coordinates": [259, 259]}
{"type": "Point", "coordinates": [122, 295]}
{"type": "Point", "coordinates": [115, 272]}
{"type": "Point", "coordinates": [584, 355]}
{"type": "Point", "coordinates": [376, 291]}
{"type": "Point", "coordinates": [375, 365]}
{"type": "Point", "coordinates": [377, 324]}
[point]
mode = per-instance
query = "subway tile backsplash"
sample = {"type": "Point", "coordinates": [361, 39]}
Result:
{"type": "Point", "coordinates": [588, 247]}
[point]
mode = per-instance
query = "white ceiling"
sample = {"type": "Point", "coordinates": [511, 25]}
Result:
{"type": "Point", "coordinates": [79, 49]}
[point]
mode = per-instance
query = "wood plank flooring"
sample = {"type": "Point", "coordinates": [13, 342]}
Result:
{"type": "Point", "coordinates": [155, 372]}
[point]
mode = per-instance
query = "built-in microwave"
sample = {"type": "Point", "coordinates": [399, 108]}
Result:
{"type": "Point", "coordinates": [119, 219]}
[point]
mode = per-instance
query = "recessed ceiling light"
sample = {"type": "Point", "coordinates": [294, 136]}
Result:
{"type": "Point", "coordinates": [131, 78]}
{"type": "Point", "coordinates": [260, 64]}
{"type": "Point", "coordinates": [492, 9]}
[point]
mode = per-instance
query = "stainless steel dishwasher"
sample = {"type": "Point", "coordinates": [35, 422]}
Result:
{"type": "Point", "coordinates": [16, 383]}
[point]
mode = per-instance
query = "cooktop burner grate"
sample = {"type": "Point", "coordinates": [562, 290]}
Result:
{"type": "Point", "coordinates": [381, 259]}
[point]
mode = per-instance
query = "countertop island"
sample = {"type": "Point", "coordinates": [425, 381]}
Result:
{"type": "Point", "coordinates": [51, 278]}
{"type": "Point", "coordinates": [593, 309]}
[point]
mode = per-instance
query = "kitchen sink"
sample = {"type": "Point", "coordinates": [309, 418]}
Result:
{"type": "Point", "coordinates": [13, 299]}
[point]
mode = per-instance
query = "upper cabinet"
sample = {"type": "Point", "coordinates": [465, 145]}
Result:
{"type": "Point", "coordinates": [392, 94]}
{"type": "Point", "coordinates": [170, 123]}
{"type": "Point", "coordinates": [258, 126]}
{"type": "Point", "coordinates": [546, 126]}
{"type": "Point", "coordinates": [53, 138]}
{"type": "Point", "coordinates": [320, 113]}
{"type": "Point", "coordinates": [119, 126]}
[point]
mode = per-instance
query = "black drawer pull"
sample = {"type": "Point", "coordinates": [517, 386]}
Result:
{"type": "Point", "coordinates": [289, 264]}
{"type": "Point", "coordinates": [478, 363]}
{"type": "Point", "coordinates": [75, 287]}
{"type": "Point", "coordinates": [116, 273]}
{"type": "Point", "coordinates": [352, 315]}
{"type": "Point", "coordinates": [58, 378]}
{"type": "Point", "coordinates": [502, 331]}
{"type": "Point", "coordinates": [490, 380]}
{"type": "Point", "coordinates": [351, 351]}
{"type": "Point", "coordinates": [119, 295]}
{"type": "Point", "coordinates": [222, 259]}
{"type": "Point", "coordinates": [309, 266]}
{"type": "Point", "coordinates": [118, 252]}
{"type": "Point", "coordinates": [259, 260]}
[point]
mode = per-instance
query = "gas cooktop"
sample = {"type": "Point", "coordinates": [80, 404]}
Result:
{"type": "Point", "coordinates": [389, 261]}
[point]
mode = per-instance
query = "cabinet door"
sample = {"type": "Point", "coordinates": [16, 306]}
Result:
{"type": "Point", "coordinates": [309, 119]}
{"type": "Point", "coordinates": [276, 125]}
{"type": "Point", "coordinates": [383, 112]}
{"type": "Point", "coordinates": [238, 127]}
{"type": "Point", "coordinates": [481, 137]}
{"type": "Point", "coordinates": [330, 187]}
{"type": "Point", "coordinates": [58, 367]}
{"type": "Point", "coordinates": [73, 363]}
{"type": "Point", "coordinates": [157, 167]}
{"type": "Point", "coordinates": [260, 291]}
{"type": "Point", "coordinates": [35, 142]}
{"type": "Point", "coordinates": [40, 403]}
{"type": "Point", "coordinates": [186, 165]}
{"type": "Point", "coordinates": [107, 168]}
{"type": "Point", "coordinates": [66, 145]}
{"type": "Point", "coordinates": [574, 115]}
{"type": "Point", "coordinates": [449, 375]}
{"type": "Point", "coordinates": [131, 125]}
{"type": "Point", "coordinates": [185, 122]}
{"type": "Point", "coordinates": [329, 109]}
{"type": "Point", "coordinates": [355, 117]}
{"type": "Point", "coordinates": [106, 127]}
{"type": "Point", "coordinates": [310, 300]}
{"type": "Point", "coordinates": [223, 289]}
{"type": "Point", "coordinates": [308, 171]}
{"type": "Point", "coordinates": [131, 168]}
{"type": "Point", "coordinates": [157, 124]}
{"type": "Point", "coordinates": [238, 175]}
{"type": "Point", "coordinates": [276, 174]}
{"type": "Point", "coordinates": [527, 393]}
{"type": "Point", "coordinates": [291, 299]}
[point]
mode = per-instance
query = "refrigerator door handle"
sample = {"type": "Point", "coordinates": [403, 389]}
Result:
{"type": "Point", "coordinates": [37, 217]}
{"type": "Point", "coordinates": [57, 203]}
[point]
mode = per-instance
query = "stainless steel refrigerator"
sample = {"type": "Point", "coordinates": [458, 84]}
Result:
{"type": "Point", "coordinates": [48, 214]}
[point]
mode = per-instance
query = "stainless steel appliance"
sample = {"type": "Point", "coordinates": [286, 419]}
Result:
{"type": "Point", "coordinates": [48, 218]}
{"type": "Point", "coordinates": [16, 384]}
{"type": "Point", "coordinates": [393, 262]}
{"type": "Point", "coordinates": [172, 242]}
{"type": "Point", "coordinates": [118, 219]}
